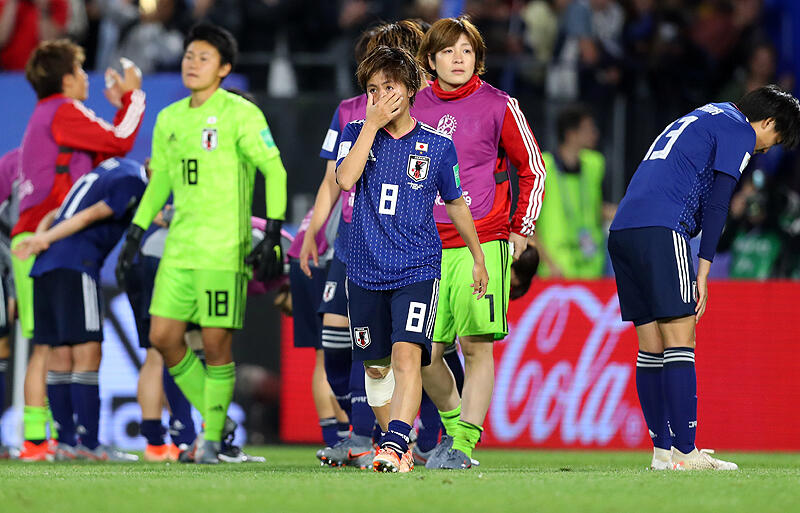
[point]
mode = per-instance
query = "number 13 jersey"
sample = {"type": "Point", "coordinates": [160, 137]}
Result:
{"type": "Point", "coordinates": [210, 154]}
{"type": "Point", "coordinates": [672, 184]}
{"type": "Point", "coordinates": [393, 236]}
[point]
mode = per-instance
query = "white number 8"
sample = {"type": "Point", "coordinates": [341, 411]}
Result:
{"type": "Point", "coordinates": [416, 316]}
{"type": "Point", "coordinates": [388, 202]}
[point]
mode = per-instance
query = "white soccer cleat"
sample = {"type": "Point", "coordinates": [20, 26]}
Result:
{"type": "Point", "coordinates": [662, 459]}
{"type": "Point", "coordinates": [700, 460]}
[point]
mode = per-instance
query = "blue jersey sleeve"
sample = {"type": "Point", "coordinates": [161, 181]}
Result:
{"type": "Point", "coordinates": [124, 195]}
{"type": "Point", "coordinates": [734, 146]}
{"type": "Point", "coordinates": [447, 180]}
{"type": "Point", "coordinates": [346, 141]}
{"type": "Point", "coordinates": [331, 142]}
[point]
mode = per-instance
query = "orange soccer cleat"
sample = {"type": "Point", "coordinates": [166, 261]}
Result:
{"type": "Point", "coordinates": [157, 453]}
{"type": "Point", "coordinates": [35, 452]}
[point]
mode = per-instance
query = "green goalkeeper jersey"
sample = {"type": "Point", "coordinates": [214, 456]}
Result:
{"type": "Point", "coordinates": [206, 157]}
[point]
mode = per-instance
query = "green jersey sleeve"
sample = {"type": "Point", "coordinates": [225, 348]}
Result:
{"type": "Point", "coordinates": [258, 148]}
{"type": "Point", "coordinates": [159, 187]}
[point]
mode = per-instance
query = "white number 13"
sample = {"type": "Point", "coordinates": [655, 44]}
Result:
{"type": "Point", "coordinates": [672, 136]}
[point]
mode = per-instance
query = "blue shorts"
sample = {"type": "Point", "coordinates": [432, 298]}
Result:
{"type": "Point", "coordinates": [139, 282]}
{"type": "Point", "coordinates": [379, 318]}
{"type": "Point", "coordinates": [67, 308]}
{"type": "Point", "coordinates": [306, 297]}
{"type": "Point", "coordinates": [334, 299]}
{"type": "Point", "coordinates": [654, 273]}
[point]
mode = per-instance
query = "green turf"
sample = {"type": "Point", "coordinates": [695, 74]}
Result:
{"type": "Point", "coordinates": [506, 481]}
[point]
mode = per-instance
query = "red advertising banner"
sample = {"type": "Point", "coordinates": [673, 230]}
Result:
{"type": "Point", "coordinates": [565, 375]}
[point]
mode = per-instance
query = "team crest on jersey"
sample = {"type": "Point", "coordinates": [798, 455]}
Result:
{"type": "Point", "coordinates": [329, 292]}
{"type": "Point", "coordinates": [447, 124]}
{"type": "Point", "coordinates": [362, 337]}
{"type": "Point", "coordinates": [209, 139]}
{"type": "Point", "coordinates": [418, 167]}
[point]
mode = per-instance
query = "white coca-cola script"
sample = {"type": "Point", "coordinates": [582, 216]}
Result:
{"type": "Point", "coordinates": [538, 396]}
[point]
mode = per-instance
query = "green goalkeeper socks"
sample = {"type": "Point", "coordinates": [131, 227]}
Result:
{"type": "Point", "coordinates": [466, 437]}
{"type": "Point", "coordinates": [450, 420]}
{"type": "Point", "coordinates": [190, 376]}
{"type": "Point", "coordinates": [35, 419]}
{"type": "Point", "coordinates": [219, 392]}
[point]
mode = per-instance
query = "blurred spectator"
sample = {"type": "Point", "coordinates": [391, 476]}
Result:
{"type": "Point", "coordinates": [573, 41]}
{"type": "Point", "coordinates": [149, 33]}
{"type": "Point", "coordinates": [758, 71]}
{"type": "Point", "coordinates": [752, 234]}
{"type": "Point", "coordinates": [541, 28]}
{"type": "Point", "coordinates": [569, 233]}
{"type": "Point", "coordinates": [24, 23]}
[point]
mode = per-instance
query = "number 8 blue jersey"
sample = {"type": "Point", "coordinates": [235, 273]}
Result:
{"type": "Point", "coordinates": [393, 237]}
{"type": "Point", "coordinates": [672, 184]}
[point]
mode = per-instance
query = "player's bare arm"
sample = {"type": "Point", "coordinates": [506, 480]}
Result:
{"type": "Point", "coordinates": [380, 112]}
{"type": "Point", "coordinates": [459, 213]}
{"type": "Point", "coordinates": [703, 268]}
{"type": "Point", "coordinates": [46, 221]}
{"type": "Point", "coordinates": [41, 241]}
{"type": "Point", "coordinates": [327, 194]}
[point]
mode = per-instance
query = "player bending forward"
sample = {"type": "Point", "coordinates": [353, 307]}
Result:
{"type": "Point", "coordinates": [393, 263]}
{"type": "Point", "coordinates": [682, 187]}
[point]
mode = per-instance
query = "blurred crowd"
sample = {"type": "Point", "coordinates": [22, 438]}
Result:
{"type": "Point", "coordinates": [663, 57]}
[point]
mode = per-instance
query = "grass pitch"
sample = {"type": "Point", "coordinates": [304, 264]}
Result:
{"type": "Point", "coordinates": [506, 481]}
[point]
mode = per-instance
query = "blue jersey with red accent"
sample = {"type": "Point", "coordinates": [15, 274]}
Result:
{"type": "Point", "coordinates": [120, 184]}
{"type": "Point", "coordinates": [393, 236]}
{"type": "Point", "coordinates": [672, 184]}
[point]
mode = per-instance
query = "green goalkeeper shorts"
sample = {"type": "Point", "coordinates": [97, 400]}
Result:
{"type": "Point", "coordinates": [458, 311]}
{"type": "Point", "coordinates": [24, 286]}
{"type": "Point", "coordinates": [212, 299]}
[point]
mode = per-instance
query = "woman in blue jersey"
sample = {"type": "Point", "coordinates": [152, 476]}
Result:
{"type": "Point", "coordinates": [397, 166]}
{"type": "Point", "coordinates": [682, 187]}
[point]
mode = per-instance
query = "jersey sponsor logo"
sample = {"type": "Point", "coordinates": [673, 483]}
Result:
{"type": "Point", "coordinates": [172, 138]}
{"type": "Point", "coordinates": [371, 156]}
{"type": "Point", "coordinates": [344, 149]}
{"type": "Point", "coordinates": [266, 136]}
{"type": "Point", "coordinates": [421, 146]}
{"type": "Point", "coordinates": [362, 337]}
{"type": "Point", "coordinates": [210, 139]}
{"type": "Point", "coordinates": [447, 124]}
{"type": "Point", "coordinates": [212, 120]}
{"type": "Point", "coordinates": [330, 140]}
{"type": "Point", "coordinates": [329, 292]}
{"type": "Point", "coordinates": [418, 167]}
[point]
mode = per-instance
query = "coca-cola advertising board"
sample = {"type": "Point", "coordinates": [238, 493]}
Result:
{"type": "Point", "coordinates": [565, 375]}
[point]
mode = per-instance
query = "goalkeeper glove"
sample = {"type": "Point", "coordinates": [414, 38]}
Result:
{"type": "Point", "coordinates": [127, 253]}
{"type": "Point", "coordinates": [267, 257]}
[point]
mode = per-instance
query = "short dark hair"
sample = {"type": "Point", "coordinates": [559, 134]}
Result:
{"type": "Point", "coordinates": [446, 32]}
{"type": "Point", "coordinates": [405, 34]}
{"type": "Point", "coordinates": [524, 270]}
{"type": "Point", "coordinates": [217, 37]}
{"type": "Point", "coordinates": [48, 64]}
{"type": "Point", "coordinates": [398, 64]}
{"type": "Point", "coordinates": [570, 118]}
{"type": "Point", "coordinates": [772, 102]}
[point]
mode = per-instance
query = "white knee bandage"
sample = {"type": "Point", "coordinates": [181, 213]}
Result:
{"type": "Point", "coordinates": [379, 391]}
